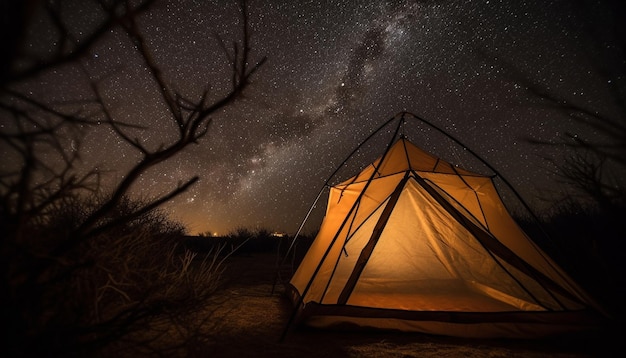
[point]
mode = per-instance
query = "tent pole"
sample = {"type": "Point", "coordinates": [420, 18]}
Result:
{"type": "Point", "coordinates": [300, 300]}
{"type": "Point", "coordinates": [306, 218]}
{"type": "Point", "coordinates": [367, 250]}
{"type": "Point", "coordinates": [326, 183]}
{"type": "Point", "coordinates": [363, 143]}
{"type": "Point", "coordinates": [333, 175]}
{"type": "Point", "coordinates": [488, 165]}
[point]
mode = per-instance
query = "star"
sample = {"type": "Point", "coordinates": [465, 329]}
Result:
{"type": "Point", "coordinates": [336, 71]}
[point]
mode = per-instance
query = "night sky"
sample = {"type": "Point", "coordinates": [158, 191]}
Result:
{"type": "Point", "coordinates": [335, 71]}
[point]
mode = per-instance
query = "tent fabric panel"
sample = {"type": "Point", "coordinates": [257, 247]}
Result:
{"type": "Point", "coordinates": [421, 160]}
{"type": "Point", "coordinates": [404, 156]}
{"type": "Point", "coordinates": [500, 224]}
{"type": "Point", "coordinates": [339, 206]}
{"type": "Point", "coordinates": [465, 192]}
{"type": "Point", "coordinates": [347, 260]}
{"type": "Point", "coordinates": [494, 245]}
{"type": "Point", "coordinates": [503, 297]}
{"type": "Point", "coordinates": [342, 197]}
{"type": "Point", "coordinates": [451, 295]}
{"type": "Point", "coordinates": [553, 301]}
{"type": "Point", "coordinates": [343, 216]}
{"type": "Point", "coordinates": [366, 252]}
{"type": "Point", "coordinates": [423, 242]}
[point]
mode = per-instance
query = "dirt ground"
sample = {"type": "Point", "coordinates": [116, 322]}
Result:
{"type": "Point", "coordinates": [248, 320]}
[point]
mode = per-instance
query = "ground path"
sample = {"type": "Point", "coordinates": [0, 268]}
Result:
{"type": "Point", "coordinates": [248, 322]}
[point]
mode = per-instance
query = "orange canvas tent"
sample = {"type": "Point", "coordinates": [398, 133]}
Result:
{"type": "Point", "coordinates": [414, 243]}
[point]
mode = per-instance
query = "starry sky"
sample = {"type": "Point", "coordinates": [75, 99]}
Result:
{"type": "Point", "coordinates": [335, 71]}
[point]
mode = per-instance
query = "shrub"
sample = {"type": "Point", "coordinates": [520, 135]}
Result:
{"type": "Point", "coordinates": [122, 289]}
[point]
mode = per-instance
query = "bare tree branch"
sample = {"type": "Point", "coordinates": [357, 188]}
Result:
{"type": "Point", "coordinates": [97, 265]}
{"type": "Point", "coordinates": [119, 11]}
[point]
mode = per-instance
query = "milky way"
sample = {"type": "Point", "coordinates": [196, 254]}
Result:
{"type": "Point", "coordinates": [336, 70]}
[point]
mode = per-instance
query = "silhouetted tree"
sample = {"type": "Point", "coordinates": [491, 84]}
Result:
{"type": "Point", "coordinates": [590, 205]}
{"type": "Point", "coordinates": [593, 167]}
{"type": "Point", "coordinates": [75, 256]}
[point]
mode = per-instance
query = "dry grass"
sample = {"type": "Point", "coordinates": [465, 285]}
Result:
{"type": "Point", "coordinates": [247, 320]}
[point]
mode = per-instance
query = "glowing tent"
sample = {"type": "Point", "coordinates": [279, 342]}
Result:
{"type": "Point", "coordinates": [414, 243]}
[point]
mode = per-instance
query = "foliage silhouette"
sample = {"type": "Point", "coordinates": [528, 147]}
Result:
{"type": "Point", "coordinates": [85, 267]}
